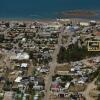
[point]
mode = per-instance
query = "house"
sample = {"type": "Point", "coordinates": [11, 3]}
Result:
{"type": "Point", "coordinates": [36, 97]}
{"type": "Point", "coordinates": [54, 25]}
{"type": "Point", "coordinates": [86, 30]}
{"type": "Point", "coordinates": [23, 40]}
{"type": "Point", "coordinates": [63, 94]}
{"type": "Point", "coordinates": [18, 79]}
{"type": "Point", "coordinates": [97, 38]}
{"type": "Point", "coordinates": [93, 22]}
{"type": "Point", "coordinates": [21, 86]}
{"type": "Point", "coordinates": [70, 29]}
{"type": "Point", "coordinates": [38, 87]}
{"type": "Point", "coordinates": [31, 79]}
{"type": "Point", "coordinates": [81, 82]}
{"type": "Point", "coordinates": [67, 85]}
{"type": "Point", "coordinates": [44, 70]}
{"type": "Point", "coordinates": [55, 87]}
{"type": "Point", "coordinates": [15, 87]}
{"type": "Point", "coordinates": [24, 65]}
{"type": "Point", "coordinates": [75, 39]}
{"type": "Point", "coordinates": [32, 26]}
{"type": "Point", "coordinates": [25, 80]}
{"type": "Point", "coordinates": [76, 28]}
{"type": "Point", "coordinates": [97, 60]}
{"type": "Point", "coordinates": [64, 20]}
{"type": "Point", "coordinates": [73, 69]}
{"type": "Point", "coordinates": [39, 81]}
{"type": "Point", "coordinates": [25, 96]}
{"type": "Point", "coordinates": [20, 56]}
{"type": "Point", "coordinates": [74, 81]}
{"type": "Point", "coordinates": [84, 23]}
{"type": "Point", "coordinates": [97, 34]}
{"type": "Point", "coordinates": [62, 72]}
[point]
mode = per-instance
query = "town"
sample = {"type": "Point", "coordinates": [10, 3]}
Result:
{"type": "Point", "coordinates": [50, 60]}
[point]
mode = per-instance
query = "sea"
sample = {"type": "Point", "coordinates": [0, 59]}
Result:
{"type": "Point", "coordinates": [44, 9]}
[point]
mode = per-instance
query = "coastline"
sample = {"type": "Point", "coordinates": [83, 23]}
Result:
{"type": "Point", "coordinates": [70, 14]}
{"type": "Point", "coordinates": [27, 19]}
{"type": "Point", "coordinates": [52, 19]}
{"type": "Point", "coordinates": [45, 20]}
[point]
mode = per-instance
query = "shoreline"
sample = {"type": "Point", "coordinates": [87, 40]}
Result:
{"type": "Point", "coordinates": [29, 20]}
{"type": "Point", "coordinates": [26, 19]}
{"type": "Point", "coordinates": [71, 14]}
{"type": "Point", "coordinates": [45, 19]}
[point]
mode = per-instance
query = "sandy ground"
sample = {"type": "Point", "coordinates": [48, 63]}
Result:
{"type": "Point", "coordinates": [90, 87]}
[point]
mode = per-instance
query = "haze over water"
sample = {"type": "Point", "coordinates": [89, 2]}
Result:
{"type": "Point", "coordinates": [37, 9]}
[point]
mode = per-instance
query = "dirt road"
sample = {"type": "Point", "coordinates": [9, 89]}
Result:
{"type": "Point", "coordinates": [89, 88]}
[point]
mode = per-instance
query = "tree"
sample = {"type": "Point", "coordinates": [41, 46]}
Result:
{"type": "Point", "coordinates": [1, 37]}
{"type": "Point", "coordinates": [74, 53]}
{"type": "Point", "coordinates": [61, 54]}
{"type": "Point", "coordinates": [7, 24]}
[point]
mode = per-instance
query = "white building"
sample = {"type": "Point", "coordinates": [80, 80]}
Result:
{"type": "Point", "coordinates": [84, 24]}
{"type": "Point", "coordinates": [20, 56]}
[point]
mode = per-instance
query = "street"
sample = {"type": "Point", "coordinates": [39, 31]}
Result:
{"type": "Point", "coordinates": [53, 65]}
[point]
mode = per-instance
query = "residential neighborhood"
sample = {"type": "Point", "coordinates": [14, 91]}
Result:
{"type": "Point", "coordinates": [50, 60]}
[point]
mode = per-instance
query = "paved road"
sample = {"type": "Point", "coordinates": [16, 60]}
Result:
{"type": "Point", "coordinates": [53, 65]}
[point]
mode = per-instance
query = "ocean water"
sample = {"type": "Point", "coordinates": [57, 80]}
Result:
{"type": "Point", "coordinates": [40, 9]}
